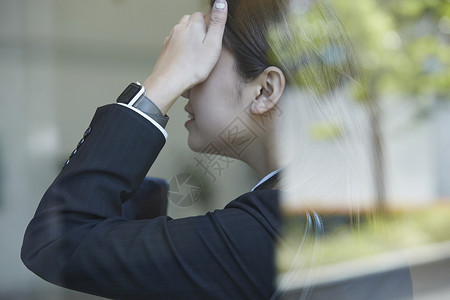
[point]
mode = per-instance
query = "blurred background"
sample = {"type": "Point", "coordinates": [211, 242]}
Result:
{"type": "Point", "coordinates": [61, 59]}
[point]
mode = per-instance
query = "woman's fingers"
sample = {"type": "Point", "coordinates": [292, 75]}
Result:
{"type": "Point", "coordinates": [166, 39]}
{"type": "Point", "coordinates": [217, 23]}
{"type": "Point", "coordinates": [188, 56]}
{"type": "Point", "coordinates": [184, 19]}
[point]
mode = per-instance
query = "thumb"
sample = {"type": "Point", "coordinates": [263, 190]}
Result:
{"type": "Point", "coordinates": [217, 22]}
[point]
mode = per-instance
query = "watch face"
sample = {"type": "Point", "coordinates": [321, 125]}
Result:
{"type": "Point", "coordinates": [129, 93]}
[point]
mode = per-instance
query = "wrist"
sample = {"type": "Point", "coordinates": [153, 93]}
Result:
{"type": "Point", "coordinates": [163, 92]}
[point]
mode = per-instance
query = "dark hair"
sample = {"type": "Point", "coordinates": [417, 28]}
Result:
{"type": "Point", "coordinates": [304, 38]}
{"type": "Point", "coordinates": [246, 33]}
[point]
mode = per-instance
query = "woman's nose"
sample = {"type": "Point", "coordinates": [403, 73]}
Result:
{"type": "Point", "coordinates": [186, 94]}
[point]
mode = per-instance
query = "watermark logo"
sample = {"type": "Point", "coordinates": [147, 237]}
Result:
{"type": "Point", "coordinates": [213, 162]}
{"type": "Point", "coordinates": [238, 136]}
{"type": "Point", "coordinates": [185, 190]}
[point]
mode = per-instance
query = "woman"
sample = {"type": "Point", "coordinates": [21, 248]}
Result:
{"type": "Point", "coordinates": [79, 237]}
{"type": "Point", "coordinates": [83, 235]}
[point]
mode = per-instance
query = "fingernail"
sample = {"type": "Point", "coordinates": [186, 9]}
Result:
{"type": "Point", "coordinates": [220, 4]}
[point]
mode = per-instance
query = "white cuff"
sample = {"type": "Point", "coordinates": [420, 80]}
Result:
{"type": "Point", "coordinates": [267, 177]}
{"type": "Point", "coordinates": [163, 131]}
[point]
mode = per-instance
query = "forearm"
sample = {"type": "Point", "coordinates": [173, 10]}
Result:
{"type": "Point", "coordinates": [108, 167]}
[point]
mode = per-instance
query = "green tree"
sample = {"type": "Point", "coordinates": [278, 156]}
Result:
{"type": "Point", "coordinates": [404, 48]}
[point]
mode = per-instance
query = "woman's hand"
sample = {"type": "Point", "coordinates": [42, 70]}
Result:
{"type": "Point", "coordinates": [188, 56]}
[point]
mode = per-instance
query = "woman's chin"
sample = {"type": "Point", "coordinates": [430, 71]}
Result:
{"type": "Point", "coordinates": [200, 145]}
{"type": "Point", "coordinates": [194, 144]}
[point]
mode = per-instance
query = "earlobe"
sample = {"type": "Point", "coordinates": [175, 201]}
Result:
{"type": "Point", "coordinates": [271, 87]}
{"type": "Point", "coordinates": [261, 104]}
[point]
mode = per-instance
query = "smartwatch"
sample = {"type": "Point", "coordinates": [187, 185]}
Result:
{"type": "Point", "coordinates": [134, 95]}
{"type": "Point", "coordinates": [131, 94]}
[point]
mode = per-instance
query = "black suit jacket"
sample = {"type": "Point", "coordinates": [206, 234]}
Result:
{"type": "Point", "coordinates": [89, 236]}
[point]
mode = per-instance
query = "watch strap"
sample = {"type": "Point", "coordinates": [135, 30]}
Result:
{"type": "Point", "coordinates": [147, 106]}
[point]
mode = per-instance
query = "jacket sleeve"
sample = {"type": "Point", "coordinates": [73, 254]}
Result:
{"type": "Point", "coordinates": [79, 237]}
{"type": "Point", "coordinates": [148, 202]}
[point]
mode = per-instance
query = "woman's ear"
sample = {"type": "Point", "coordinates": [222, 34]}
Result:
{"type": "Point", "coordinates": [270, 86]}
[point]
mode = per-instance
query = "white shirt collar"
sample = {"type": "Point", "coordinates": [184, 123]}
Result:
{"type": "Point", "coordinates": [267, 177]}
